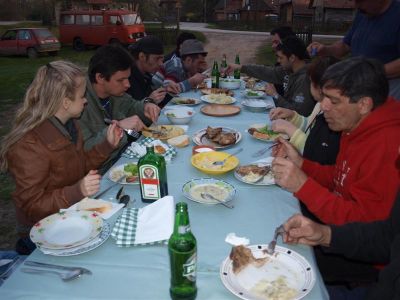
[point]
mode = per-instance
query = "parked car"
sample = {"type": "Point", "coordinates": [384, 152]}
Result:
{"type": "Point", "coordinates": [29, 41]}
{"type": "Point", "coordinates": [100, 27]}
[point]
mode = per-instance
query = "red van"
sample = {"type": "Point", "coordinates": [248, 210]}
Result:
{"type": "Point", "coordinates": [100, 27]}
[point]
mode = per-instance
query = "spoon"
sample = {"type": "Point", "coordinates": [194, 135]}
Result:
{"type": "Point", "coordinates": [65, 276]}
{"type": "Point", "coordinates": [211, 197]}
{"type": "Point", "coordinates": [222, 162]}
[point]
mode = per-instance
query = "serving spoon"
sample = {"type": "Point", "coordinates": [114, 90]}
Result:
{"type": "Point", "coordinates": [222, 162]}
{"type": "Point", "coordinates": [65, 276]}
{"type": "Point", "coordinates": [208, 196]}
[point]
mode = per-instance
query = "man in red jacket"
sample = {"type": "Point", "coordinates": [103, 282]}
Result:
{"type": "Point", "coordinates": [363, 183]}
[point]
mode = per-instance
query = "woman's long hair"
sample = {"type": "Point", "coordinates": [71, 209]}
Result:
{"type": "Point", "coordinates": [53, 83]}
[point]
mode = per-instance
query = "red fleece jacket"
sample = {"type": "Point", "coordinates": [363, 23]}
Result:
{"type": "Point", "coordinates": [363, 183]}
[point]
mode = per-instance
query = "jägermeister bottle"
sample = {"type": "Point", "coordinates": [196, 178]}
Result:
{"type": "Point", "coordinates": [224, 65]}
{"type": "Point", "coordinates": [183, 257]}
{"type": "Point", "coordinates": [236, 73]}
{"type": "Point", "coordinates": [152, 176]}
{"type": "Point", "coordinates": [215, 76]}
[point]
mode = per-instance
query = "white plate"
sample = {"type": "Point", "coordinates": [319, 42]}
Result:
{"type": "Point", "coordinates": [256, 105]}
{"type": "Point", "coordinates": [206, 182]}
{"type": "Point", "coordinates": [286, 263]}
{"type": "Point", "coordinates": [103, 236]}
{"type": "Point", "coordinates": [176, 101]}
{"type": "Point", "coordinates": [271, 139]}
{"type": "Point", "coordinates": [257, 94]}
{"type": "Point", "coordinates": [267, 179]}
{"type": "Point", "coordinates": [118, 171]}
{"type": "Point", "coordinates": [213, 99]}
{"type": "Point", "coordinates": [66, 229]}
{"type": "Point", "coordinates": [199, 138]}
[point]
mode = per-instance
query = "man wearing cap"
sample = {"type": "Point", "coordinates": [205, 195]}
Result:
{"type": "Point", "coordinates": [148, 54]}
{"type": "Point", "coordinates": [184, 72]}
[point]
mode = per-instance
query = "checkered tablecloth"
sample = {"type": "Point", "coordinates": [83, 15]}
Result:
{"type": "Point", "coordinates": [168, 155]}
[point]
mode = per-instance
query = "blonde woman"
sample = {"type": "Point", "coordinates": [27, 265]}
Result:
{"type": "Point", "coordinates": [44, 149]}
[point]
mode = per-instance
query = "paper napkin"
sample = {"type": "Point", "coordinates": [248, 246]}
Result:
{"type": "Point", "coordinates": [152, 224]}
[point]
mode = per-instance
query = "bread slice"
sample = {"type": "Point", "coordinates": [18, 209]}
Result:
{"type": "Point", "coordinates": [98, 205]}
{"type": "Point", "coordinates": [179, 141]}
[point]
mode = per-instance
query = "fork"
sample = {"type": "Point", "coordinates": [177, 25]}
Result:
{"type": "Point", "coordinates": [271, 246]}
{"type": "Point", "coordinates": [130, 132]}
{"type": "Point", "coordinates": [263, 151]}
{"type": "Point", "coordinates": [57, 267]}
{"type": "Point", "coordinates": [222, 162]}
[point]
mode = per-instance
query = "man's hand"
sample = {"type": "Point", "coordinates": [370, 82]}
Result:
{"type": "Point", "coordinates": [196, 79]}
{"type": "Point", "coordinates": [288, 175]}
{"type": "Point", "coordinates": [283, 126]}
{"type": "Point", "coordinates": [270, 90]}
{"type": "Point", "coordinates": [114, 134]}
{"type": "Point", "coordinates": [173, 88]}
{"type": "Point", "coordinates": [133, 122]}
{"type": "Point", "coordinates": [318, 49]}
{"type": "Point", "coordinates": [291, 152]}
{"type": "Point", "coordinates": [281, 113]}
{"type": "Point", "coordinates": [158, 95]}
{"type": "Point", "coordinates": [231, 68]}
{"type": "Point", "coordinates": [152, 111]}
{"type": "Point", "coordinates": [300, 230]}
{"type": "Point", "coordinates": [90, 184]}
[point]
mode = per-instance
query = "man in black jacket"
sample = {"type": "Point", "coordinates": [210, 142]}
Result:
{"type": "Point", "coordinates": [376, 242]}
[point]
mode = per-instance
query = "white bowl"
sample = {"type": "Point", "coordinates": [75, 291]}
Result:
{"type": "Point", "coordinates": [255, 105]}
{"type": "Point", "coordinates": [179, 115]}
{"type": "Point", "coordinates": [230, 83]}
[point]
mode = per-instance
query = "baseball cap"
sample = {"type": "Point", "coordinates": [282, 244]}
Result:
{"type": "Point", "coordinates": [149, 45]}
{"type": "Point", "coordinates": [192, 47]}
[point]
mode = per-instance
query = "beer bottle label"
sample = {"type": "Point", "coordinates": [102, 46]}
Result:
{"type": "Point", "coordinates": [189, 267]}
{"type": "Point", "coordinates": [183, 229]}
{"type": "Point", "coordinates": [150, 182]}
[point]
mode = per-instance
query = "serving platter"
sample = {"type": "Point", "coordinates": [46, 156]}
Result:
{"type": "Point", "coordinates": [285, 267]}
{"type": "Point", "coordinates": [220, 110]}
{"type": "Point", "coordinates": [218, 99]}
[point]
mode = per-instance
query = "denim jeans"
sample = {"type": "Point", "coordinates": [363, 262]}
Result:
{"type": "Point", "coordinates": [340, 292]}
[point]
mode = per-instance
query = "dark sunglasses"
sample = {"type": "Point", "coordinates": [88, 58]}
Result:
{"type": "Point", "coordinates": [122, 198]}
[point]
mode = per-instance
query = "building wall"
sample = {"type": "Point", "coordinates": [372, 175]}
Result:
{"type": "Point", "coordinates": [338, 15]}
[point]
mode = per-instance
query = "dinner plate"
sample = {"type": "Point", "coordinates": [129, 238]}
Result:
{"type": "Point", "coordinates": [167, 132]}
{"type": "Point", "coordinates": [118, 171]}
{"type": "Point", "coordinates": [181, 101]}
{"type": "Point", "coordinates": [218, 99]}
{"type": "Point", "coordinates": [220, 110]}
{"type": "Point", "coordinates": [256, 105]}
{"type": "Point", "coordinates": [199, 138]}
{"type": "Point", "coordinates": [192, 188]}
{"type": "Point", "coordinates": [285, 264]}
{"type": "Point", "coordinates": [266, 180]}
{"type": "Point", "coordinates": [209, 91]}
{"type": "Point", "coordinates": [250, 94]}
{"type": "Point", "coordinates": [66, 229]}
{"type": "Point", "coordinates": [271, 138]}
{"type": "Point", "coordinates": [99, 240]}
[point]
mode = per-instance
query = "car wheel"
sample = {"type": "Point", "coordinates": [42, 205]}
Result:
{"type": "Point", "coordinates": [53, 53]}
{"type": "Point", "coordinates": [32, 53]}
{"type": "Point", "coordinates": [78, 44]}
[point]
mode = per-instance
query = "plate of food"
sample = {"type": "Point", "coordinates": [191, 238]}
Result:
{"type": "Point", "coordinates": [218, 137]}
{"type": "Point", "coordinates": [209, 91]}
{"type": "Point", "coordinates": [257, 105]}
{"type": "Point", "coordinates": [163, 132]}
{"type": "Point", "coordinates": [249, 272]}
{"type": "Point", "coordinates": [130, 170]}
{"type": "Point", "coordinates": [218, 99]}
{"type": "Point", "coordinates": [251, 94]}
{"type": "Point", "coordinates": [263, 132]}
{"type": "Point", "coordinates": [256, 173]}
{"type": "Point", "coordinates": [204, 162]}
{"type": "Point", "coordinates": [219, 110]}
{"type": "Point", "coordinates": [219, 189]}
{"type": "Point", "coordinates": [230, 83]}
{"type": "Point", "coordinates": [185, 101]}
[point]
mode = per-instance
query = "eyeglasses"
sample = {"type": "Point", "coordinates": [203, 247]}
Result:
{"type": "Point", "coordinates": [122, 198]}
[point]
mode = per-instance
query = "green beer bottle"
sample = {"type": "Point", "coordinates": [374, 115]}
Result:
{"type": "Point", "coordinates": [224, 65]}
{"type": "Point", "coordinates": [236, 73]}
{"type": "Point", "coordinates": [215, 76]}
{"type": "Point", "coordinates": [152, 176]}
{"type": "Point", "coordinates": [183, 257]}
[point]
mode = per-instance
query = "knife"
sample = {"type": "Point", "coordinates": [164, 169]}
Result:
{"type": "Point", "coordinates": [57, 267]}
{"type": "Point", "coordinates": [110, 187]}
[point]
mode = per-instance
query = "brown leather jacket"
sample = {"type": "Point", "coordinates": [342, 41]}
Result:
{"type": "Point", "coordinates": [47, 167]}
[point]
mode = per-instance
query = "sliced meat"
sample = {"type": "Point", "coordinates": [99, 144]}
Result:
{"type": "Point", "coordinates": [227, 139]}
{"type": "Point", "coordinates": [213, 132]}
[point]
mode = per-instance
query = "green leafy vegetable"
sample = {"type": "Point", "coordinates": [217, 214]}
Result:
{"type": "Point", "coordinates": [251, 93]}
{"type": "Point", "coordinates": [267, 131]}
{"type": "Point", "coordinates": [172, 115]}
{"type": "Point", "coordinates": [131, 168]}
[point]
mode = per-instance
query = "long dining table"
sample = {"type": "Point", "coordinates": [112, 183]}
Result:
{"type": "Point", "coordinates": [143, 272]}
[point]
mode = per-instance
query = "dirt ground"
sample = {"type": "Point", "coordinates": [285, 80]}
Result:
{"type": "Point", "coordinates": [217, 45]}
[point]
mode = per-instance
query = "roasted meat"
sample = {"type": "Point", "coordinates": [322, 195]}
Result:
{"type": "Point", "coordinates": [242, 256]}
{"type": "Point", "coordinates": [227, 139]}
{"type": "Point", "coordinates": [213, 132]}
{"type": "Point", "coordinates": [245, 170]}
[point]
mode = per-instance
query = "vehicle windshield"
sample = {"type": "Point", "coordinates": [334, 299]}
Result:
{"type": "Point", "coordinates": [131, 19]}
{"type": "Point", "coordinates": [43, 33]}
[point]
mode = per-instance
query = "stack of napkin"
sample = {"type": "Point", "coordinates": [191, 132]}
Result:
{"type": "Point", "coordinates": [150, 225]}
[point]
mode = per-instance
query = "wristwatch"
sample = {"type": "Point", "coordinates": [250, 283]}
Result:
{"type": "Point", "coordinates": [148, 100]}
